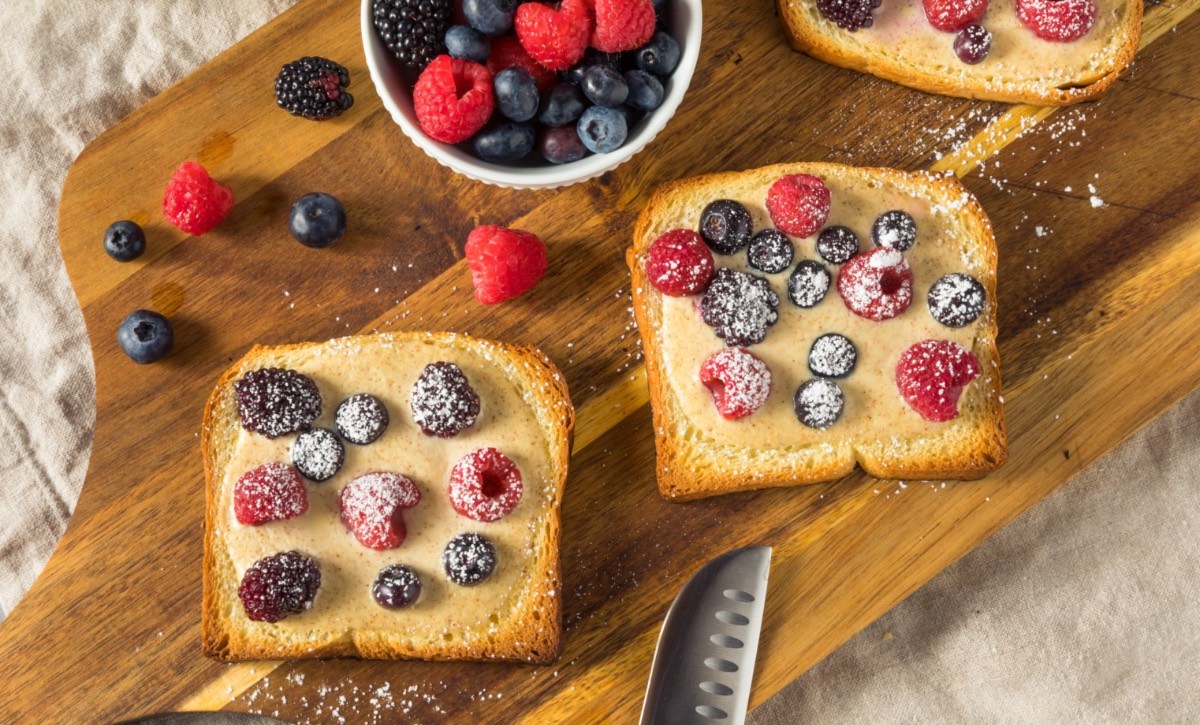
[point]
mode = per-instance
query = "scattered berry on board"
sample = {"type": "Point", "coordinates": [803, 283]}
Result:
{"type": "Point", "coordinates": [849, 15]}
{"type": "Point", "coordinates": [819, 403]}
{"type": "Point", "coordinates": [931, 376]}
{"type": "Point", "coordinates": [469, 559]}
{"type": "Point", "coordinates": [313, 88]}
{"type": "Point", "coordinates": [270, 492]}
{"type": "Point", "coordinates": [739, 307]}
{"type": "Point", "coordinates": [280, 585]}
{"type": "Point", "coordinates": [798, 204]}
{"type": "Point", "coordinates": [485, 485]}
{"type": "Point", "coordinates": [505, 263]}
{"type": "Point", "coordinates": [277, 401]}
{"type": "Point", "coordinates": [318, 454]}
{"type": "Point", "coordinates": [124, 241]}
{"type": "Point", "coordinates": [678, 263]}
{"type": "Point", "coordinates": [739, 381]}
{"type": "Point", "coordinates": [726, 226]}
{"type": "Point", "coordinates": [414, 30]}
{"type": "Point", "coordinates": [361, 419]}
{"type": "Point", "coordinates": [145, 336]}
{"type": "Point", "coordinates": [370, 506]}
{"type": "Point", "coordinates": [317, 220]}
{"type": "Point", "coordinates": [195, 202]}
{"type": "Point", "coordinates": [443, 402]}
{"type": "Point", "coordinates": [397, 586]}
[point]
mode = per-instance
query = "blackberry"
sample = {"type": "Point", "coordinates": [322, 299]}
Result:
{"type": "Point", "coordinates": [739, 307]}
{"type": "Point", "coordinates": [414, 30]}
{"type": "Point", "coordinates": [279, 585]}
{"type": "Point", "coordinates": [275, 401]}
{"type": "Point", "coordinates": [443, 402]}
{"type": "Point", "coordinates": [314, 88]}
{"type": "Point", "coordinates": [849, 14]}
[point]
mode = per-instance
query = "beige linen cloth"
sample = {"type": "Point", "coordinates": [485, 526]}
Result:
{"type": "Point", "coordinates": [1085, 610]}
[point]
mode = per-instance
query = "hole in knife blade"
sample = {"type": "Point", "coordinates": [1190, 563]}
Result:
{"type": "Point", "coordinates": [732, 617]}
{"type": "Point", "coordinates": [726, 641]}
{"type": "Point", "coordinates": [720, 665]}
{"type": "Point", "coordinates": [711, 712]}
{"type": "Point", "coordinates": [738, 595]}
{"type": "Point", "coordinates": [716, 688]}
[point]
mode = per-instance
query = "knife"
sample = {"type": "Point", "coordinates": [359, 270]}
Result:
{"type": "Point", "coordinates": [704, 661]}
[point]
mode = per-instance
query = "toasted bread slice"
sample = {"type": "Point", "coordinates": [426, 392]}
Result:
{"type": "Point", "coordinates": [514, 615]}
{"type": "Point", "coordinates": [702, 454]}
{"type": "Point", "coordinates": [902, 47]}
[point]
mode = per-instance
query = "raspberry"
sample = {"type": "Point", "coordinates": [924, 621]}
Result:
{"type": "Point", "coordinates": [271, 492]}
{"type": "Point", "coordinates": [622, 24]}
{"type": "Point", "coordinates": [371, 507]}
{"type": "Point", "coordinates": [554, 38]}
{"type": "Point", "coordinates": [443, 402]}
{"type": "Point", "coordinates": [276, 401]}
{"type": "Point", "coordinates": [485, 485]}
{"type": "Point", "coordinates": [453, 99]}
{"type": "Point", "coordinates": [505, 263]}
{"type": "Point", "coordinates": [279, 585]}
{"type": "Point", "coordinates": [507, 52]}
{"type": "Point", "coordinates": [798, 204]}
{"type": "Point", "coordinates": [931, 376]}
{"type": "Point", "coordinates": [877, 285]}
{"type": "Point", "coordinates": [739, 307]}
{"type": "Point", "coordinates": [849, 14]}
{"type": "Point", "coordinates": [194, 201]}
{"type": "Point", "coordinates": [1060, 21]}
{"type": "Point", "coordinates": [952, 15]}
{"type": "Point", "coordinates": [739, 382]}
{"type": "Point", "coordinates": [679, 264]}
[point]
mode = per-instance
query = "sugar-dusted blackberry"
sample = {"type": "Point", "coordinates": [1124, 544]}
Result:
{"type": "Point", "coordinates": [469, 558]}
{"type": "Point", "coordinates": [832, 356]}
{"type": "Point", "coordinates": [837, 244]}
{"type": "Point", "coordinates": [361, 418]}
{"type": "Point", "coordinates": [318, 454]}
{"type": "Point", "coordinates": [397, 586]}
{"type": "Point", "coordinates": [314, 88]}
{"type": "Point", "coordinates": [280, 585]}
{"type": "Point", "coordinates": [726, 226]}
{"type": "Point", "coordinates": [956, 300]}
{"type": "Point", "coordinates": [809, 283]}
{"type": "Point", "coordinates": [414, 30]}
{"type": "Point", "coordinates": [443, 401]}
{"type": "Point", "coordinates": [739, 307]}
{"type": "Point", "coordinates": [277, 401]}
{"type": "Point", "coordinates": [771, 251]}
{"type": "Point", "coordinates": [849, 14]}
{"type": "Point", "coordinates": [819, 403]}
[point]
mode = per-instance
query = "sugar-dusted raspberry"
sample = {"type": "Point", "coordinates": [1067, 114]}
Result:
{"type": "Point", "coordinates": [504, 263]}
{"type": "Point", "coordinates": [952, 15]}
{"type": "Point", "coordinates": [622, 24]}
{"type": "Point", "coordinates": [507, 52]}
{"type": "Point", "coordinates": [739, 307]}
{"type": "Point", "coordinates": [453, 99]}
{"type": "Point", "coordinates": [443, 402]}
{"type": "Point", "coordinates": [679, 263]}
{"type": "Point", "coordinates": [280, 585]}
{"type": "Point", "coordinates": [271, 492]}
{"type": "Point", "coordinates": [739, 382]}
{"type": "Point", "coordinates": [931, 376]}
{"type": "Point", "coordinates": [194, 201]}
{"type": "Point", "coordinates": [485, 485]}
{"type": "Point", "coordinates": [877, 285]}
{"type": "Point", "coordinates": [1060, 21]}
{"type": "Point", "coordinates": [555, 38]}
{"type": "Point", "coordinates": [277, 401]}
{"type": "Point", "coordinates": [798, 204]}
{"type": "Point", "coordinates": [371, 507]}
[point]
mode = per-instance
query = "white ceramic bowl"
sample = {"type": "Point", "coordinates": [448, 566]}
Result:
{"type": "Point", "coordinates": [396, 95]}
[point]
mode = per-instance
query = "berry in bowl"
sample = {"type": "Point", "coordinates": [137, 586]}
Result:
{"type": "Point", "coordinates": [531, 94]}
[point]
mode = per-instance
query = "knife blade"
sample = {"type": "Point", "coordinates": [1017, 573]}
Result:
{"type": "Point", "coordinates": [704, 661]}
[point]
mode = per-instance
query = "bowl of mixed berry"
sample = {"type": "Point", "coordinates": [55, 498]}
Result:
{"type": "Point", "coordinates": [531, 94]}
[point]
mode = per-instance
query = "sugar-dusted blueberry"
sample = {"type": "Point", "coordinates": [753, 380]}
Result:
{"type": "Point", "coordinates": [397, 586]}
{"type": "Point", "coordinates": [318, 454]}
{"type": "Point", "coordinates": [956, 300]}
{"type": "Point", "coordinates": [276, 401]}
{"type": "Point", "coordinates": [516, 93]}
{"type": "Point", "coordinates": [819, 403]}
{"type": "Point", "coordinates": [771, 251]}
{"type": "Point", "coordinates": [469, 558]}
{"type": "Point", "coordinates": [490, 17]}
{"type": "Point", "coordinates": [739, 307]}
{"type": "Point", "coordinates": [603, 129]}
{"type": "Point", "coordinates": [726, 226]}
{"type": "Point", "coordinates": [837, 244]}
{"type": "Point", "coordinates": [443, 402]}
{"type": "Point", "coordinates": [361, 418]}
{"type": "Point", "coordinates": [972, 43]}
{"type": "Point", "coordinates": [317, 220]}
{"type": "Point", "coordinates": [467, 43]}
{"type": "Point", "coordinates": [124, 241]}
{"type": "Point", "coordinates": [145, 336]}
{"type": "Point", "coordinates": [894, 229]}
{"type": "Point", "coordinates": [505, 141]}
{"type": "Point", "coordinates": [561, 144]}
{"type": "Point", "coordinates": [808, 283]}
{"type": "Point", "coordinates": [660, 56]}
{"type": "Point", "coordinates": [645, 90]}
{"type": "Point", "coordinates": [832, 356]}
{"type": "Point", "coordinates": [278, 586]}
{"type": "Point", "coordinates": [561, 105]}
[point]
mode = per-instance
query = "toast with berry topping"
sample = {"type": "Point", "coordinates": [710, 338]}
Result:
{"type": "Point", "coordinates": [776, 359]}
{"type": "Point", "coordinates": [391, 496]}
{"type": "Point", "coordinates": [1043, 52]}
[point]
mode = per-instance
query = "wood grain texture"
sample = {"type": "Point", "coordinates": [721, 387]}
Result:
{"type": "Point", "coordinates": [1089, 304]}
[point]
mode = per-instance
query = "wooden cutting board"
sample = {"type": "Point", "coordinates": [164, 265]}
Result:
{"type": "Point", "coordinates": [1098, 290]}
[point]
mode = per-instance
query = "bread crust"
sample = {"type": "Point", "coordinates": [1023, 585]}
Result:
{"type": "Point", "coordinates": [685, 472]}
{"type": "Point", "coordinates": [826, 42]}
{"type": "Point", "coordinates": [533, 633]}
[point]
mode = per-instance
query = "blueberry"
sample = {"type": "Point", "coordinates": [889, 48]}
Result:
{"type": "Point", "coordinates": [972, 44]}
{"type": "Point", "coordinates": [561, 145]}
{"type": "Point", "coordinates": [956, 300]}
{"type": "Point", "coordinates": [894, 229]}
{"type": "Point", "coordinates": [602, 129]}
{"type": "Point", "coordinates": [819, 403]}
{"type": "Point", "coordinates": [832, 356]}
{"type": "Point", "coordinates": [506, 141]}
{"type": "Point", "coordinates": [317, 220]}
{"type": "Point", "coordinates": [318, 454]}
{"type": "Point", "coordinates": [463, 41]}
{"type": "Point", "coordinates": [809, 283]}
{"type": "Point", "coordinates": [725, 226]}
{"type": "Point", "coordinates": [659, 56]}
{"type": "Point", "coordinates": [837, 244]}
{"type": "Point", "coordinates": [145, 336]}
{"type": "Point", "coordinates": [645, 91]}
{"type": "Point", "coordinates": [604, 86]}
{"type": "Point", "coordinates": [592, 57]}
{"type": "Point", "coordinates": [469, 559]}
{"type": "Point", "coordinates": [561, 105]}
{"type": "Point", "coordinates": [491, 17]}
{"type": "Point", "coordinates": [771, 251]}
{"type": "Point", "coordinates": [397, 586]}
{"type": "Point", "coordinates": [516, 93]}
{"type": "Point", "coordinates": [361, 418]}
{"type": "Point", "coordinates": [124, 241]}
